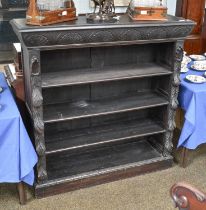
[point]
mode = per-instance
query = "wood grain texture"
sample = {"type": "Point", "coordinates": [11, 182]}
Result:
{"type": "Point", "coordinates": [46, 17]}
{"type": "Point", "coordinates": [152, 13]}
{"type": "Point", "coordinates": [188, 197]}
{"type": "Point", "coordinates": [22, 193]}
{"type": "Point", "coordinates": [193, 10]}
{"type": "Point", "coordinates": [194, 45]}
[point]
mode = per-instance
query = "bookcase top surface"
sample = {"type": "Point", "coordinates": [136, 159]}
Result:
{"type": "Point", "coordinates": [81, 23]}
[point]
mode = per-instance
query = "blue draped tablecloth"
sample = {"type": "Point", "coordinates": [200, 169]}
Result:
{"type": "Point", "coordinates": [192, 99]}
{"type": "Point", "coordinates": [17, 155]}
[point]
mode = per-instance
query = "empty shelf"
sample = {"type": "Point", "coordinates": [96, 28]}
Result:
{"type": "Point", "coordinates": [101, 135]}
{"type": "Point", "coordinates": [82, 109]}
{"type": "Point", "coordinates": [104, 159]}
{"type": "Point", "coordinates": [83, 76]}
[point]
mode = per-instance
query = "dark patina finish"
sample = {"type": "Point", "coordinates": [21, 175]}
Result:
{"type": "Point", "coordinates": [102, 98]}
{"type": "Point", "coordinates": [106, 12]}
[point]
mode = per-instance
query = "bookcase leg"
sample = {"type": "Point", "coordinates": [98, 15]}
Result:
{"type": "Point", "coordinates": [22, 193]}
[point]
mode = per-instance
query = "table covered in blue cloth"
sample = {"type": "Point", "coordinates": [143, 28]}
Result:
{"type": "Point", "coordinates": [192, 99]}
{"type": "Point", "coordinates": [17, 155]}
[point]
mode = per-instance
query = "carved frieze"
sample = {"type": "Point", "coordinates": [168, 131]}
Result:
{"type": "Point", "coordinates": [104, 35]}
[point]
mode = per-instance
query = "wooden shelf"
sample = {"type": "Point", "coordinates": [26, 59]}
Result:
{"type": "Point", "coordinates": [108, 93]}
{"type": "Point", "coordinates": [83, 76]}
{"type": "Point", "coordinates": [102, 160]}
{"type": "Point", "coordinates": [101, 135]}
{"type": "Point", "coordinates": [82, 109]}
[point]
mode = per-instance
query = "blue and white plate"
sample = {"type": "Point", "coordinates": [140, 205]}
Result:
{"type": "Point", "coordinates": [197, 57]}
{"type": "Point", "coordinates": [195, 79]}
{"type": "Point", "coordinates": [199, 65]}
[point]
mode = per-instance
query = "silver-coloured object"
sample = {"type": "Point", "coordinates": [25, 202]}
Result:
{"type": "Point", "coordinates": [1, 89]}
{"type": "Point", "coordinates": [106, 12]}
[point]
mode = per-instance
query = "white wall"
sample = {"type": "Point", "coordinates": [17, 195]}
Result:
{"type": "Point", "coordinates": [171, 4]}
{"type": "Point", "coordinates": [83, 6]}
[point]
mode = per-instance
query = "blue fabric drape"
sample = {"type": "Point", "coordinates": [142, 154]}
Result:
{"type": "Point", "coordinates": [192, 98]}
{"type": "Point", "coordinates": [17, 155]}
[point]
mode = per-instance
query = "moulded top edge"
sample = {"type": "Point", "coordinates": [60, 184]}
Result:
{"type": "Point", "coordinates": [81, 23]}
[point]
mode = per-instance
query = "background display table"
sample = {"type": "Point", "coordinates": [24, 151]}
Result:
{"type": "Point", "coordinates": [17, 154]}
{"type": "Point", "coordinates": [192, 99]}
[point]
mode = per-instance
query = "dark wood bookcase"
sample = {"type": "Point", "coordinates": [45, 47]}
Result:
{"type": "Point", "coordinates": [102, 98]}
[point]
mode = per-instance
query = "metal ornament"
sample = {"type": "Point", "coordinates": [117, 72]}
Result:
{"type": "Point", "coordinates": [106, 12]}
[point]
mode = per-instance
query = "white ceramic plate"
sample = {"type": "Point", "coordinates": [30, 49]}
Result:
{"type": "Point", "coordinates": [199, 65]}
{"type": "Point", "coordinates": [195, 79]}
{"type": "Point", "coordinates": [186, 60]}
{"type": "Point", "coordinates": [197, 57]}
{"type": "Point", "coordinates": [184, 69]}
{"type": "Point", "coordinates": [203, 61]}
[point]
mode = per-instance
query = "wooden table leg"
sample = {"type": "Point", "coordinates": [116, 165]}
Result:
{"type": "Point", "coordinates": [22, 193]}
{"type": "Point", "coordinates": [185, 157]}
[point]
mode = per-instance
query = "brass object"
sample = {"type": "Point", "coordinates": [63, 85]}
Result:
{"type": "Point", "coordinates": [148, 10]}
{"type": "Point", "coordinates": [45, 12]}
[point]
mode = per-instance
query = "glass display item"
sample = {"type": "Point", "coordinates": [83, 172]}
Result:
{"type": "Point", "coordinates": [148, 9]}
{"type": "Point", "coordinates": [45, 12]}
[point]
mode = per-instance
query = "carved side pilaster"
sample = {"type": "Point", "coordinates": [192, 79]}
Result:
{"type": "Point", "coordinates": [37, 113]}
{"type": "Point", "coordinates": [173, 102]}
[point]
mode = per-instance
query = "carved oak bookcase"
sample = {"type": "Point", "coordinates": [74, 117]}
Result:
{"type": "Point", "coordinates": [102, 98]}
